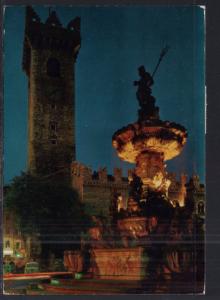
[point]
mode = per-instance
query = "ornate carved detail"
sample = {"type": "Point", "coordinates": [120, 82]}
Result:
{"type": "Point", "coordinates": [73, 261]}
{"type": "Point", "coordinates": [124, 263]}
{"type": "Point", "coordinates": [134, 227]}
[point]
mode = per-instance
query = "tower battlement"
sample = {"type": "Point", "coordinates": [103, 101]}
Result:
{"type": "Point", "coordinates": [85, 174]}
{"type": "Point", "coordinates": [96, 188]}
{"type": "Point", "coordinates": [49, 35]}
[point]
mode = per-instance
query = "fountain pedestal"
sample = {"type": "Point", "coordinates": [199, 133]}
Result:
{"type": "Point", "coordinates": [120, 263]}
{"type": "Point", "coordinates": [149, 144]}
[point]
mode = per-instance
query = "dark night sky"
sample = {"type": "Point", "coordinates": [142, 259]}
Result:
{"type": "Point", "coordinates": [115, 42]}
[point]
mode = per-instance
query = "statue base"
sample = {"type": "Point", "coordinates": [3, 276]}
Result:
{"type": "Point", "coordinates": [120, 263]}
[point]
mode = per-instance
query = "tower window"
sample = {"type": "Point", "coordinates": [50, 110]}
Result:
{"type": "Point", "coordinates": [53, 141]}
{"type": "Point", "coordinates": [53, 67]}
{"type": "Point", "coordinates": [201, 208]}
{"type": "Point", "coordinates": [53, 126]}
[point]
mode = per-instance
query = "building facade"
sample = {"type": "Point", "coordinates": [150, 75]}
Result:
{"type": "Point", "coordinates": [16, 245]}
{"type": "Point", "coordinates": [97, 189]}
{"type": "Point", "coordinates": [13, 242]}
{"type": "Point", "coordinates": [195, 196]}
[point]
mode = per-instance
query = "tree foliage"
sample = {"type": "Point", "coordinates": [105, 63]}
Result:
{"type": "Point", "coordinates": [48, 208]}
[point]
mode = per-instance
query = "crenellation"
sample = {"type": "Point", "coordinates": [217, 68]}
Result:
{"type": "Point", "coordinates": [102, 172]}
{"type": "Point", "coordinates": [195, 184]}
{"type": "Point", "coordinates": [74, 25]}
{"type": "Point", "coordinates": [53, 20]}
{"type": "Point", "coordinates": [117, 174]}
{"type": "Point", "coordinates": [99, 186]}
{"type": "Point", "coordinates": [31, 15]}
{"type": "Point", "coordinates": [183, 179]}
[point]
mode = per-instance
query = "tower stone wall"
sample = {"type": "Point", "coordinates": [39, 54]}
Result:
{"type": "Point", "coordinates": [49, 56]}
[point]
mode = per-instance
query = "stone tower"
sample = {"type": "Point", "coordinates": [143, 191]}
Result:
{"type": "Point", "coordinates": [49, 56]}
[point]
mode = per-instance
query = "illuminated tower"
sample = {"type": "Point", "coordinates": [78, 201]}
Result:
{"type": "Point", "coordinates": [49, 56]}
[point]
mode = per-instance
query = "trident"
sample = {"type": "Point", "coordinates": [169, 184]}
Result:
{"type": "Point", "coordinates": [162, 54]}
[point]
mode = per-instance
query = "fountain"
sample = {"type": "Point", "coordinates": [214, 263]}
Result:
{"type": "Point", "coordinates": [128, 249]}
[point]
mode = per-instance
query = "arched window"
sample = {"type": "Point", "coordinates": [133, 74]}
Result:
{"type": "Point", "coordinates": [201, 208]}
{"type": "Point", "coordinates": [53, 67]}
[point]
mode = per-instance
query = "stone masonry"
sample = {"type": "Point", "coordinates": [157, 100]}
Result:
{"type": "Point", "coordinates": [48, 60]}
{"type": "Point", "coordinates": [96, 189]}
